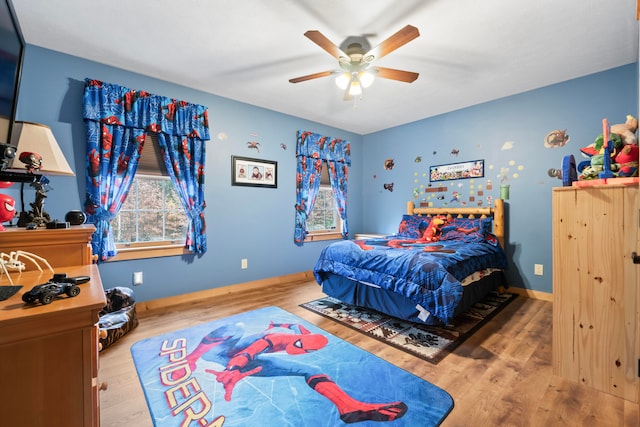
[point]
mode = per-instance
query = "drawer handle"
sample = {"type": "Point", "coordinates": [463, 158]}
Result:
{"type": "Point", "coordinates": [635, 258]}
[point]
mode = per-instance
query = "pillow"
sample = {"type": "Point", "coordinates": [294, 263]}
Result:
{"type": "Point", "coordinates": [467, 230]}
{"type": "Point", "coordinates": [412, 226]}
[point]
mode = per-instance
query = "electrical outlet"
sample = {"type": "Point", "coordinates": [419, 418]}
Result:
{"type": "Point", "coordinates": [137, 278]}
{"type": "Point", "coordinates": [243, 264]}
{"type": "Point", "coordinates": [538, 269]}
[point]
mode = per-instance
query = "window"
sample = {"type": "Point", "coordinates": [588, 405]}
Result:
{"type": "Point", "coordinates": [151, 213]}
{"type": "Point", "coordinates": [324, 223]}
{"type": "Point", "coordinates": [324, 217]}
{"type": "Point", "coordinates": [152, 221]}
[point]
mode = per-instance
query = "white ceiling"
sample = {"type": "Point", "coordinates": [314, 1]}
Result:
{"type": "Point", "coordinates": [468, 52]}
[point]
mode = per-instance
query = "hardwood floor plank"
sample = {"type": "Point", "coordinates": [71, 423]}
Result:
{"type": "Point", "coordinates": [501, 375]}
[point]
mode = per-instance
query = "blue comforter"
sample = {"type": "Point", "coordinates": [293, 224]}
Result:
{"type": "Point", "coordinates": [427, 273]}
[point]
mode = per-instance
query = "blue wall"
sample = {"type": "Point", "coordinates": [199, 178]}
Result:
{"type": "Point", "coordinates": [257, 224]}
{"type": "Point", "coordinates": [507, 134]}
{"type": "Point", "coordinates": [242, 222]}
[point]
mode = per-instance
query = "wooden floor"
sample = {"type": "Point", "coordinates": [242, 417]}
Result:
{"type": "Point", "coordinates": [500, 376]}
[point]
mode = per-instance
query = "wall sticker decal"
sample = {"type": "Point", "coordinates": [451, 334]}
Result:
{"type": "Point", "coordinates": [556, 138]}
{"type": "Point", "coordinates": [253, 145]}
{"type": "Point", "coordinates": [508, 145]}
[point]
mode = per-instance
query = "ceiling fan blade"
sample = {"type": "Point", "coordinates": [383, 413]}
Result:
{"type": "Point", "coordinates": [318, 38]}
{"type": "Point", "coordinates": [393, 74]}
{"type": "Point", "coordinates": [311, 77]}
{"type": "Point", "coordinates": [392, 43]}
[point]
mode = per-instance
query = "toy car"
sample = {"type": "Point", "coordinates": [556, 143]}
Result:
{"type": "Point", "coordinates": [47, 292]}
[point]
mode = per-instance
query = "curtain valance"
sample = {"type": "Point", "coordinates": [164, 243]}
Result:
{"type": "Point", "coordinates": [117, 105]}
{"type": "Point", "coordinates": [317, 146]}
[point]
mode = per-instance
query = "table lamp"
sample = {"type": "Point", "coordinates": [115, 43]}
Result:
{"type": "Point", "coordinates": [38, 154]}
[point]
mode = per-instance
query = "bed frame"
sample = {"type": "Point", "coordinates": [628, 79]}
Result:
{"type": "Point", "coordinates": [496, 212]}
{"type": "Point", "coordinates": [358, 293]}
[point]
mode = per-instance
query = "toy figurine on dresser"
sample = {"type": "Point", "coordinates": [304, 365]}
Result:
{"type": "Point", "coordinates": [7, 209]}
{"type": "Point", "coordinates": [613, 154]}
{"type": "Point", "coordinates": [7, 205]}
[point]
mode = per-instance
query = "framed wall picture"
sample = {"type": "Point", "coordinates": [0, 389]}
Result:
{"type": "Point", "coordinates": [452, 171]}
{"type": "Point", "coordinates": [254, 172]}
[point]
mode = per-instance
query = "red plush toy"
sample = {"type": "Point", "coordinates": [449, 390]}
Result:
{"type": "Point", "coordinates": [433, 231]}
{"type": "Point", "coordinates": [7, 209]}
{"type": "Point", "coordinates": [626, 161]}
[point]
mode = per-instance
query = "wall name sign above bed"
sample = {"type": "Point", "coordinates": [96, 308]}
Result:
{"type": "Point", "coordinates": [454, 171]}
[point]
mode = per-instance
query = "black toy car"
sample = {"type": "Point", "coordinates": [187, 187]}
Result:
{"type": "Point", "coordinates": [47, 292]}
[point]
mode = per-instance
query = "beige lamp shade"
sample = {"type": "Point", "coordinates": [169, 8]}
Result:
{"type": "Point", "coordinates": [38, 138]}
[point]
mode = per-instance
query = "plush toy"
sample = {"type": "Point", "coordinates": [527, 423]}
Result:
{"type": "Point", "coordinates": [627, 130]}
{"type": "Point", "coordinates": [595, 148]}
{"type": "Point", "coordinates": [591, 168]}
{"type": "Point", "coordinates": [433, 231]}
{"type": "Point", "coordinates": [626, 162]}
{"type": "Point", "coordinates": [624, 152]}
{"type": "Point", "coordinates": [621, 134]}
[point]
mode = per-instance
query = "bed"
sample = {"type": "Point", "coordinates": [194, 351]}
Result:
{"type": "Point", "coordinates": [439, 264]}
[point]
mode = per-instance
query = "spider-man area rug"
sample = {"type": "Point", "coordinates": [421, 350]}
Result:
{"type": "Point", "coordinates": [430, 343]}
{"type": "Point", "coordinates": [269, 367]}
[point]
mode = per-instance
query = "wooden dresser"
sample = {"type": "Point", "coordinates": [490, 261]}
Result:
{"type": "Point", "coordinates": [60, 247]}
{"type": "Point", "coordinates": [49, 353]}
{"type": "Point", "coordinates": [595, 287]}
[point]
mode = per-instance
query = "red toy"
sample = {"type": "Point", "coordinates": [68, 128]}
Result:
{"type": "Point", "coordinates": [7, 209]}
{"type": "Point", "coordinates": [627, 161]}
{"type": "Point", "coordinates": [433, 231]}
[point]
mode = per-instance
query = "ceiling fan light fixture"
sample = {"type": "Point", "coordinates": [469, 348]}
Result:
{"type": "Point", "coordinates": [366, 78]}
{"type": "Point", "coordinates": [342, 81]}
{"type": "Point", "coordinates": [355, 89]}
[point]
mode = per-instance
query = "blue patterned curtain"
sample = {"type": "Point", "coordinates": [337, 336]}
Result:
{"type": "Point", "coordinates": [188, 177]}
{"type": "Point", "coordinates": [117, 119]}
{"type": "Point", "coordinates": [339, 174]}
{"type": "Point", "coordinates": [311, 150]}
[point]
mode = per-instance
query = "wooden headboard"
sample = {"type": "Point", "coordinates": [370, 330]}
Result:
{"type": "Point", "coordinates": [496, 212]}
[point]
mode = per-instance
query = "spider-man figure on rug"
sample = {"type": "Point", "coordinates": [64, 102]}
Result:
{"type": "Point", "coordinates": [240, 355]}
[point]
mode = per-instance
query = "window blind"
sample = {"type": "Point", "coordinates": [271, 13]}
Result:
{"type": "Point", "coordinates": [150, 162]}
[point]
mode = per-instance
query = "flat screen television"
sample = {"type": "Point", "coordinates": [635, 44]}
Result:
{"type": "Point", "coordinates": [11, 52]}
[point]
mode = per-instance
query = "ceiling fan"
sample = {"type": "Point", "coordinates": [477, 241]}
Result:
{"type": "Point", "coordinates": [356, 57]}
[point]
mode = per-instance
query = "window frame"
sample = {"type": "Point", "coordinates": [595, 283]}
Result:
{"type": "Point", "coordinates": [153, 168]}
{"type": "Point", "coordinates": [320, 235]}
{"type": "Point", "coordinates": [148, 250]}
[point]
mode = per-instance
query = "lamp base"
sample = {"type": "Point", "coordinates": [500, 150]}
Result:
{"type": "Point", "coordinates": [36, 215]}
{"type": "Point", "coordinates": [27, 218]}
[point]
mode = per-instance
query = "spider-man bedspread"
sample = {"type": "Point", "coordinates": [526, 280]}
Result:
{"type": "Point", "coordinates": [424, 278]}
